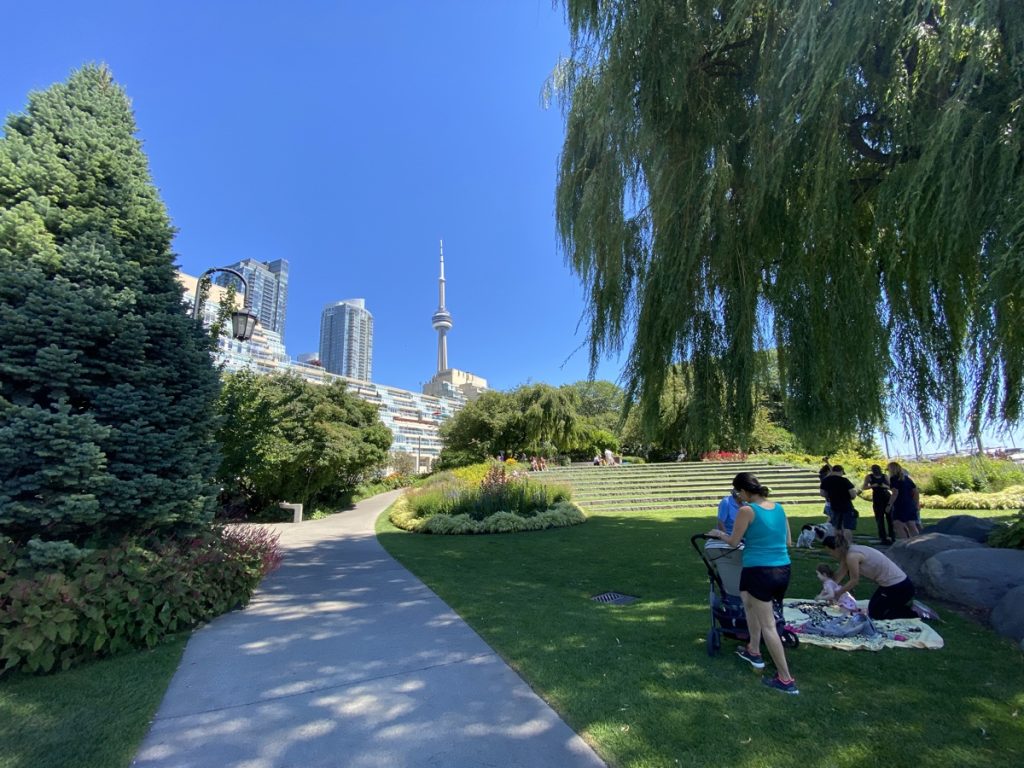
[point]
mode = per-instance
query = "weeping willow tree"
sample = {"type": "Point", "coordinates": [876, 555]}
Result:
{"type": "Point", "coordinates": [840, 180]}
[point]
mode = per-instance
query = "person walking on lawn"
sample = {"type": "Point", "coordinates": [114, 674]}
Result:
{"type": "Point", "coordinates": [762, 526]}
{"type": "Point", "coordinates": [840, 493]}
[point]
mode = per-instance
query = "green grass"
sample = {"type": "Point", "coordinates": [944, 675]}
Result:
{"type": "Point", "coordinates": [93, 716]}
{"type": "Point", "coordinates": [636, 682]}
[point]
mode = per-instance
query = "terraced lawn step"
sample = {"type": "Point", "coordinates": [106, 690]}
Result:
{"type": "Point", "coordinates": [706, 500]}
{"type": "Point", "coordinates": [640, 506]}
{"type": "Point", "coordinates": [715, 482]}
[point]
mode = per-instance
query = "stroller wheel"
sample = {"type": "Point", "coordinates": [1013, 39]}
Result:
{"type": "Point", "coordinates": [789, 639]}
{"type": "Point", "coordinates": [714, 642]}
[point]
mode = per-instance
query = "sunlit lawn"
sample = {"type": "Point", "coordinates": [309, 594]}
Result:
{"type": "Point", "coordinates": [93, 716]}
{"type": "Point", "coordinates": [637, 683]}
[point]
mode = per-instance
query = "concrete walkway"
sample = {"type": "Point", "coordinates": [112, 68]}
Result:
{"type": "Point", "coordinates": [345, 659]}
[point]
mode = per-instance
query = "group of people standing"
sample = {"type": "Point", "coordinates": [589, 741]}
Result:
{"type": "Point", "coordinates": [895, 501]}
{"type": "Point", "coordinates": [748, 516]}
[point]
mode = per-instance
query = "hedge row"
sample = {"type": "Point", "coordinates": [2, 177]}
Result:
{"type": "Point", "coordinates": [128, 596]}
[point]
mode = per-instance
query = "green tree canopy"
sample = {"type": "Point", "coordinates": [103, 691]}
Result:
{"type": "Point", "coordinates": [285, 439]}
{"type": "Point", "coordinates": [533, 418]}
{"type": "Point", "coordinates": [107, 389]}
{"type": "Point", "coordinates": [842, 181]}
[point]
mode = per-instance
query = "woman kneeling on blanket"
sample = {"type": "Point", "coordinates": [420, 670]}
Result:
{"type": "Point", "coordinates": [892, 599]}
{"type": "Point", "coordinates": [762, 526]}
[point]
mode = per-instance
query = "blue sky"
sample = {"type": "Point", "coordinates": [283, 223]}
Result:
{"type": "Point", "coordinates": [348, 138]}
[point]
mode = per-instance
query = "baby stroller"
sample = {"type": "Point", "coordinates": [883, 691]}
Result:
{"type": "Point", "coordinates": [724, 564]}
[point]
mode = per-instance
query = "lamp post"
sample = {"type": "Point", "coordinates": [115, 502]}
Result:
{"type": "Point", "coordinates": [243, 321]}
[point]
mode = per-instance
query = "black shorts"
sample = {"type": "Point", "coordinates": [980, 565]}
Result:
{"type": "Point", "coordinates": [766, 583]}
{"type": "Point", "coordinates": [845, 520]}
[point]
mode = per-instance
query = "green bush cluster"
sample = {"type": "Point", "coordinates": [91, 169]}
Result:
{"type": "Point", "coordinates": [561, 515]}
{"type": "Point", "coordinates": [1010, 536]}
{"type": "Point", "coordinates": [128, 596]}
{"type": "Point", "coordinates": [979, 474]}
{"type": "Point", "coordinates": [1008, 498]}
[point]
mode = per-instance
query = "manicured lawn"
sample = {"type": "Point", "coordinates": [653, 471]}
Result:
{"type": "Point", "coordinates": [93, 716]}
{"type": "Point", "coordinates": [636, 682]}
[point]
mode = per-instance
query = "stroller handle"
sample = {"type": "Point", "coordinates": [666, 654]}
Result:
{"type": "Point", "coordinates": [699, 537]}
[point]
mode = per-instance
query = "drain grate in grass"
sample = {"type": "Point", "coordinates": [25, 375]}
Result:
{"type": "Point", "coordinates": [614, 598]}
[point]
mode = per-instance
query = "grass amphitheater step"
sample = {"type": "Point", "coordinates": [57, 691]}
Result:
{"type": "Point", "coordinates": [639, 487]}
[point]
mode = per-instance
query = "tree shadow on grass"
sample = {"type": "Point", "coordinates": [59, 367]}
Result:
{"type": "Point", "coordinates": [637, 679]}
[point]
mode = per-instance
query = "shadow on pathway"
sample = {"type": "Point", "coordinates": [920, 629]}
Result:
{"type": "Point", "coordinates": [344, 658]}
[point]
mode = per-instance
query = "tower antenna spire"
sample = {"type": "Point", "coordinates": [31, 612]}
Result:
{"type": "Point", "coordinates": [441, 320]}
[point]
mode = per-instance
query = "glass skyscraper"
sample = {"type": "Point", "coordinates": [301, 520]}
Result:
{"type": "Point", "coordinates": [346, 339]}
{"type": "Point", "coordinates": [268, 289]}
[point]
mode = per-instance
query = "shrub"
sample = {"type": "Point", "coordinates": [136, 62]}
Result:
{"type": "Point", "coordinates": [979, 473]}
{"type": "Point", "coordinates": [483, 489]}
{"type": "Point", "coordinates": [1008, 498]}
{"type": "Point", "coordinates": [1010, 536]}
{"type": "Point", "coordinates": [560, 515]}
{"type": "Point", "coordinates": [633, 460]}
{"type": "Point", "coordinates": [127, 596]}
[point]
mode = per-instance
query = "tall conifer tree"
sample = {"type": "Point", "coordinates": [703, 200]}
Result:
{"type": "Point", "coordinates": [841, 180]}
{"type": "Point", "coordinates": [107, 388]}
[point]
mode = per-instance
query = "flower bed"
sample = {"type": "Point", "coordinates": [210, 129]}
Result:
{"type": "Point", "coordinates": [501, 501]}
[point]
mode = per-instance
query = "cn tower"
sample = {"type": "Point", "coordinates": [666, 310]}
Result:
{"type": "Point", "coordinates": [442, 321]}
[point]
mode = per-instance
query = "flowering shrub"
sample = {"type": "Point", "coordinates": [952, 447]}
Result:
{"type": "Point", "coordinates": [724, 456]}
{"type": "Point", "coordinates": [128, 596]}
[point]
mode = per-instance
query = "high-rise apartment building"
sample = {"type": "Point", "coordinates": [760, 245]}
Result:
{"type": "Point", "coordinates": [268, 289]}
{"type": "Point", "coordinates": [346, 339]}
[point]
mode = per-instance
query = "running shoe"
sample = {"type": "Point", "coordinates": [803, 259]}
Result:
{"type": "Point", "coordinates": [778, 685]}
{"type": "Point", "coordinates": [757, 662]}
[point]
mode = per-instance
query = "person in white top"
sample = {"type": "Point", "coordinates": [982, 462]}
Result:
{"type": "Point", "coordinates": [895, 593]}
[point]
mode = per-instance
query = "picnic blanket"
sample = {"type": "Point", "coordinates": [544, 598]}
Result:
{"type": "Point", "coordinates": [892, 633]}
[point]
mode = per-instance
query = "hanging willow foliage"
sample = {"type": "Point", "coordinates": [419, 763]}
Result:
{"type": "Point", "coordinates": [840, 180]}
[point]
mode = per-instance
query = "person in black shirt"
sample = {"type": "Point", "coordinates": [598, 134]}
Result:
{"type": "Point", "coordinates": [840, 493]}
{"type": "Point", "coordinates": [879, 485]}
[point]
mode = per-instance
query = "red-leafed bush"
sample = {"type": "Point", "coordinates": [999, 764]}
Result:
{"type": "Point", "coordinates": [132, 595]}
{"type": "Point", "coordinates": [724, 456]}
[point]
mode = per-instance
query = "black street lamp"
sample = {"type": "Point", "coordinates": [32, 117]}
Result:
{"type": "Point", "coordinates": [243, 321]}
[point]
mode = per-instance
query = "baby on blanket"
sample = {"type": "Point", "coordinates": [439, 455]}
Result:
{"type": "Point", "coordinates": [829, 587]}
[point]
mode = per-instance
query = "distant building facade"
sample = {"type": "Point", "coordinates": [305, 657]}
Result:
{"type": "Point", "coordinates": [346, 339]}
{"type": "Point", "coordinates": [263, 353]}
{"type": "Point", "coordinates": [268, 290]}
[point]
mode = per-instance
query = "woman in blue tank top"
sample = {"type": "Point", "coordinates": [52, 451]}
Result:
{"type": "Point", "coordinates": [762, 527]}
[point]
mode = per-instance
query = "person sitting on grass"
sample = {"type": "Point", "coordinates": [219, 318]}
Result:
{"type": "Point", "coordinates": [895, 593]}
{"type": "Point", "coordinates": [762, 526]}
{"type": "Point", "coordinates": [830, 589]}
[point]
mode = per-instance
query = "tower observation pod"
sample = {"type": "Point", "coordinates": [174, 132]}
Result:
{"type": "Point", "coordinates": [442, 321]}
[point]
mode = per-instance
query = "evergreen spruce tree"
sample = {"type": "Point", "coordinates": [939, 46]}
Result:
{"type": "Point", "coordinates": [841, 181]}
{"type": "Point", "coordinates": [107, 389]}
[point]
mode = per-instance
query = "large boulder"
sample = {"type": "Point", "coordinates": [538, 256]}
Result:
{"type": "Point", "coordinates": [1008, 615]}
{"type": "Point", "coordinates": [977, 579]}
{"type": "Point", "coordinates": [968, 526]}
{"type": "Point", "coordinates": [911, 554]}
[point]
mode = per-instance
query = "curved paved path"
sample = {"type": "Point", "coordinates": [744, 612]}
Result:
{"type": "Point", "coordinates": [344, 658]}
